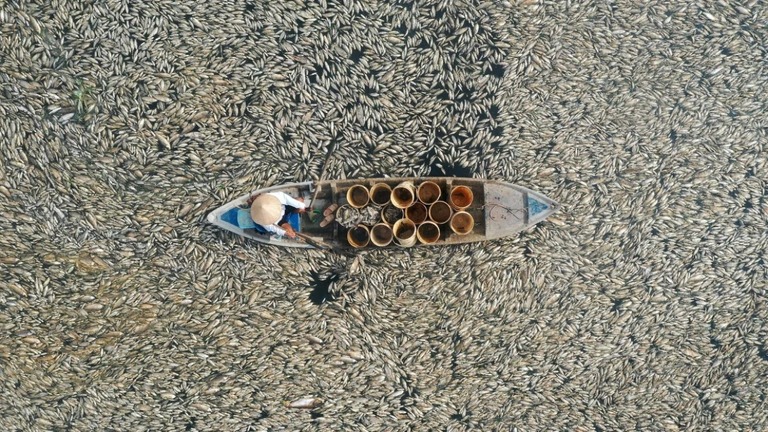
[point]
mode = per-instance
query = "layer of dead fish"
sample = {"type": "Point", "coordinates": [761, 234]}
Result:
{"type": "Point", "coordinates": [638, 306]}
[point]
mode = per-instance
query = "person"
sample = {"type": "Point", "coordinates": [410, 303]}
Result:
{"type": "Point", "coordinates": [271, 211]}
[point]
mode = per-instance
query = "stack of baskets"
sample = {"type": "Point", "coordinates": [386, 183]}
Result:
{"type": "Point", "coordinates": [408, 214]}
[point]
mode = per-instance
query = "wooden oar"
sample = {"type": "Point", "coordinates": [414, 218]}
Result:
{"type": "Point", "coordinates": [322, 174]}
{"type": "Point", "coordinates": [323, 245]}
{"type": "Point", "coordinates": [314, 242]}
{"type": "Point", "coordinates": [317, 243]}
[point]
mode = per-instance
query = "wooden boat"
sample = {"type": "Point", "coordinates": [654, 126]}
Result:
{"type": "Point", "coordinates": [499, 209]}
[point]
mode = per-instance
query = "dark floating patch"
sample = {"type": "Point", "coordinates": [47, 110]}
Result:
{"type": "Point", "coordinates": [617, 304]}
{"type": "Point", "coordinates": [673, 135]}
{"type": "Point", "coordinates": [497, 70]}
{"type": "Point", "coordinates": [286, 137]}
{"type": "Point", "coordinates": [321, 286]}
{"type": "Point", "coordinates": [460, 171]}
{"type": "Point", "coordinates": [357, 55]}
{"type": "Point", "coordinates": [379, 174]}
{"type": "Point", "coordinates": [316, 74]}
{"type": "Point", "coordinates": [498, 131]}
{"type": "Point", "coordinates": [370, 92]}
{"type": "Point", "coordinates": [762, 352]}
{"type": "Point", "coordinates": [438, 169]}
{"type": "Point", "coordinates": [494, 111]}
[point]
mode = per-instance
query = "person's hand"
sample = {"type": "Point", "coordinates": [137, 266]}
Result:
{"type": "Point", "coordinates": [289, 232]}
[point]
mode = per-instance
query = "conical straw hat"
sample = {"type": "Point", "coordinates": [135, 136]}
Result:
{"type": "Point", "coordinates": [266, 210]}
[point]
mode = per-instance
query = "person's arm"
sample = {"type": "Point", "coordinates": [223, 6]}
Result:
{"type": "Point", "coordinates": [275, 229]}
{"type": "Point", "coordinates": [289, 200]}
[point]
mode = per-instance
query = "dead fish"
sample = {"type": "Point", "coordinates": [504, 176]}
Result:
{"type": "Point", "coordinates": [306, 403]}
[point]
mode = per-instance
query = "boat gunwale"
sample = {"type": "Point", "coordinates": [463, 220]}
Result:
{"type": "Point", "coordinates": [214, 217]}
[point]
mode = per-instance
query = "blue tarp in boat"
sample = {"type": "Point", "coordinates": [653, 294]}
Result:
{"type": "Point", "coordinates": [535, 206]}
{"type": "Point", "coordinates": [241, 218]}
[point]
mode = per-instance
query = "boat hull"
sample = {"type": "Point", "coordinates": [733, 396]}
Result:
{"type": "Point", "coordinates": [498, 209]}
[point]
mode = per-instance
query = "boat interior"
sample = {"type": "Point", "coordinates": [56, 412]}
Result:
{"type": "Point", "coordinates": [496, 209]}
{"type": "Point", "coordinates": [335, 192]}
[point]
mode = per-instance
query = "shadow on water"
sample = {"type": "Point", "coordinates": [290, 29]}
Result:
{"type": "Point", "coordinates": [450, 170]}
{"type": "Point", "coordinates": [321, 285]}
{"type": "Point", "coordinates": [440, 169]}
